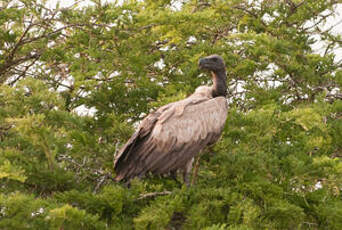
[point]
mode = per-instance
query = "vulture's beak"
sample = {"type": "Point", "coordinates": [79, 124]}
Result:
{"type": "Point", "coordinates": [202, 63]}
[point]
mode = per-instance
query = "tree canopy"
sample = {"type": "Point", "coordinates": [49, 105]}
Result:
{"type": "Point", "coordinates": [277, 165]}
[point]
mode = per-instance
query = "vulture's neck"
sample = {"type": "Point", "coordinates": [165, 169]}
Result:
{"type": "Point", "coordinates": [219, 87]}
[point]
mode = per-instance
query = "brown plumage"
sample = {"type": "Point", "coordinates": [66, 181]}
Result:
{"type": "Point", "coordinates": [169, 138]}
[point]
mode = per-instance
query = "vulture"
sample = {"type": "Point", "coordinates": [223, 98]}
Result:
{"type": "Point", "coordinates": [169, 138]}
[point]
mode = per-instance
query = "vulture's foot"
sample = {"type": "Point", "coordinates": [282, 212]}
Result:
{"type": "Point", "coordinates": [173, 176]}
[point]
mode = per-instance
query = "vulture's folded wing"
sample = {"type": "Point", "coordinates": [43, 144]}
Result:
{"type": "Point", "coordinates": [168, 138]}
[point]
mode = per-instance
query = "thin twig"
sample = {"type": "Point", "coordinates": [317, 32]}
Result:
{"type": "Point", "coordinates": [153, 194]}
{"type": "Point", "coordinates": [101, 182]}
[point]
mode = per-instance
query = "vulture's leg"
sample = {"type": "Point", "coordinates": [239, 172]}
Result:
{"type": "Point", "coordinates": [187, 172]}
{"type": "Point", "coordinates": [197, 163]}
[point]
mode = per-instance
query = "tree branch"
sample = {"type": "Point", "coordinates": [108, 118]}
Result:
{"type": "Point", "coordinates": [153, 194]}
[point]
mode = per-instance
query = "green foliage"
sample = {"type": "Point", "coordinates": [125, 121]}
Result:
{"type": "Point", "coordinates": [159, 213]}
{"type": "Point", "coordinates": [71, 218]}
{"type": "Point", "coordinates": [7, 170]}
{"type": "Point", "coordinates": [277, 166]}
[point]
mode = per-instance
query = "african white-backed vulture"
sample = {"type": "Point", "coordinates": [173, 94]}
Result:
{"type": "Point", "coordinates": [169, 138]}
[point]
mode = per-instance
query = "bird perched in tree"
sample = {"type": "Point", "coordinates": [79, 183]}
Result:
{"type": "Point", "coordinates": [169, 138]}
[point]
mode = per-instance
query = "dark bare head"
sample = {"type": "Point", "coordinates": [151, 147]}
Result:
{"type": "Point", "coordinates": [215, 64]}
{"type": "Point", "coordinates": [212, 63]}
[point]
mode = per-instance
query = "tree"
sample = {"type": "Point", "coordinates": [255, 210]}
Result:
{"type": "Point", "coordinates": [277, 166]}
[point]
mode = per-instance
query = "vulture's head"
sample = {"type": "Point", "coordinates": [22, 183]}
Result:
{"type": "Point", "coordinates": [212, 63]}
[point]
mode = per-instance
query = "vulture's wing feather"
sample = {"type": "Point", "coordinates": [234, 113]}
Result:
{"type": "Point", "coordinates": [168, 138]}
{"type": "Point", "coordinates": [137, 138]}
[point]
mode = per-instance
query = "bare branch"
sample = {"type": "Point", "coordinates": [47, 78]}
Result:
{"type": "Point", "coordinates": [23, 72]}
{"type": "Point", "coordinates": [19, 43]}
{"type": "Point", "coordinates": [317, 23]}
